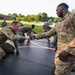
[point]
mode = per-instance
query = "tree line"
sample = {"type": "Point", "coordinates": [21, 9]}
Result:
{"type": "Point", "coordinates": [39, 17]}
{"type": "Point", "coordinates": [31, 18]}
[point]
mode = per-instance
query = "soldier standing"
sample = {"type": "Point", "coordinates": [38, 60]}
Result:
{"type": "Point", "coordinates": [4, 23]}
{"type": "Point", "coordinates": [65, 30]}
{"type": "Point", "coordinates": [9, 33]}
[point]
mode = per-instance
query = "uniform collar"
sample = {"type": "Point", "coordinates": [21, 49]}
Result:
{"type": "Point", "coordinates": [65, 16]}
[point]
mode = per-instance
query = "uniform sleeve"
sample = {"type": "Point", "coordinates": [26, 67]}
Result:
{"type": "Point", "coordinates": [71, 47]}
{"type": "Point", "coordinates": [46, 34]}
{"type": "Point", "coordinates": [70, 50]}
{"type": "Point", "coordinates": [73, 20]}
{"type": "Point", "coordinates": [9, 34]}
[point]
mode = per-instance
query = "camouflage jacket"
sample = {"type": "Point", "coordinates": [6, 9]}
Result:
{"type": "Point", "coordinates": [8, 33]}
{"type": "Point", "coordinates": [65, 30]}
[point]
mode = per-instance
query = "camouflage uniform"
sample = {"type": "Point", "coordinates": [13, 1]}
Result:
{"type": "Point", "coordinates": [65, 30]}
{"type": "Point", "coordinates": [46, 27]}
{"type": "Point", "coordinates": [4, 24]}
{"type": "Point", "coordinates": [25, 29]}
{"type": "Point", "coordinates": [5, 34]}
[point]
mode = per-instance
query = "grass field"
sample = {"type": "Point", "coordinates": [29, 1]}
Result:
{"type": "Point", "coordinates": [38, 25]}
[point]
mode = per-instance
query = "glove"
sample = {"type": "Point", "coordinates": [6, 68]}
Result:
{"type": "Point", "coordinates": [63, 55]}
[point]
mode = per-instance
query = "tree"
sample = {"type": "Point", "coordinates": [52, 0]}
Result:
{"type": "Point", "coordinates": [44, 16]}
{"type": "Point", "coordinates": [39, 17]}
{"type": "Point", "coordinates": [73, 10]}
{"type": "Point", "coordinates": [56, 20]}
{"type": "Point", "coordinates": [20, 15]}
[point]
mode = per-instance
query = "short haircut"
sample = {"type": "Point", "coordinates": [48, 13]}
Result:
{"type": "Point", "coordinates": [14, 22]}
{"type": "Point", "coordinates": [63, 4]}
{"type": "Point", "coordinates": [32, 25]}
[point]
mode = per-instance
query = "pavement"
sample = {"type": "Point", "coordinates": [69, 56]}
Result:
{"type": "Point", "coordinates": [36, 58]}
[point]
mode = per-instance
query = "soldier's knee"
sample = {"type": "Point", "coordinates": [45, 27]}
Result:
{"type": "Point", "coordinates": [2, 53]}
{"type": "Point", "coordinates": [12, 48]}
{"type": "Point", "coordinates": [8, 47]}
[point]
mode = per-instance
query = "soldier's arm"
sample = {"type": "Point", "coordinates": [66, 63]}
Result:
{"type": "Point", "coordinates": [46, 34]}
{"type": "Point", "coordinates": [71, 47]}
{"type": "Point", "coordinates": [9, 34]}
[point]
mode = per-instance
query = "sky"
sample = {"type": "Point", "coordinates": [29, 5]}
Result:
{"type": "Point", "coordinates": [29, 7]}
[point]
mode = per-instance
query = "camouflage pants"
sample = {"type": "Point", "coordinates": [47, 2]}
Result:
{"type": "Point", "coordinates": [5, 48]}
{"type": "Point", "coordinates": [64, 67]}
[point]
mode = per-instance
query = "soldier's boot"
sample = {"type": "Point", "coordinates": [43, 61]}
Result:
{"type": "Point", "coordinates": [2, 53]}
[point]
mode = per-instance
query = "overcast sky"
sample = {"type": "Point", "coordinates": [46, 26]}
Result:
{"type": "Point", "coordinates": [28, 7]}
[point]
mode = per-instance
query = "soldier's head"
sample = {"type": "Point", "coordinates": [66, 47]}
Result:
{"type": "Point", "coordinates": [62, 10]}
{"type": "Point", "coordinates": [15, 25]}
{"type": "Point", "coordinates": [33, 26]}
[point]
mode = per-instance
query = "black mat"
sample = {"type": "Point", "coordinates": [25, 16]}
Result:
{"type": "Point", "coordinates": [33, 60]}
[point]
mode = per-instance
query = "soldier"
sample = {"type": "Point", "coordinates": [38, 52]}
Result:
{"type": "Point", "coordinates": [25, 30]}
{"type": "Point", "coordinates": [46, 27]}
{"type": "Point", "coordinates": [9, 33]}
{"type": "Point", "coordinates": [4, 23]}
{"type": "Point", "coordinates": [65, 30]}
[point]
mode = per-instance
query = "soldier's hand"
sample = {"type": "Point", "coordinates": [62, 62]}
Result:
{"type": "Point", "coordinates": [32, 37]}
{"type": "Point", "coordinates": [63, 55]}
{"type": "Point", "coordinates": [27, 37]}
{"type": "Point", "coordinates": [17, 52]}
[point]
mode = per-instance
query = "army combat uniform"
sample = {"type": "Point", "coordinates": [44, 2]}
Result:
{"type": "Point", "coordinates": [24, 30]}
{"type": "Point", "coordinates": [5, 34]}
{"type": "Point", "coordinates": [65, 30]}
{"type": "Point", "coordinates": [46, 28]}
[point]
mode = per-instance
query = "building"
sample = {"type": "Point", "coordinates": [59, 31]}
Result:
{"type": "Point", "coordinates": [2, 17]}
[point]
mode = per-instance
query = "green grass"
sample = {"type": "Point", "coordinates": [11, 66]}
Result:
{"type": "Point", "coordinates": [38, 25]}
{"type": "Point", "coordinates": [38, 29]}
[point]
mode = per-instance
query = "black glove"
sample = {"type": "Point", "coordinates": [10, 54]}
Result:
{"type": "Point", "coordinates": [63, 55]}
